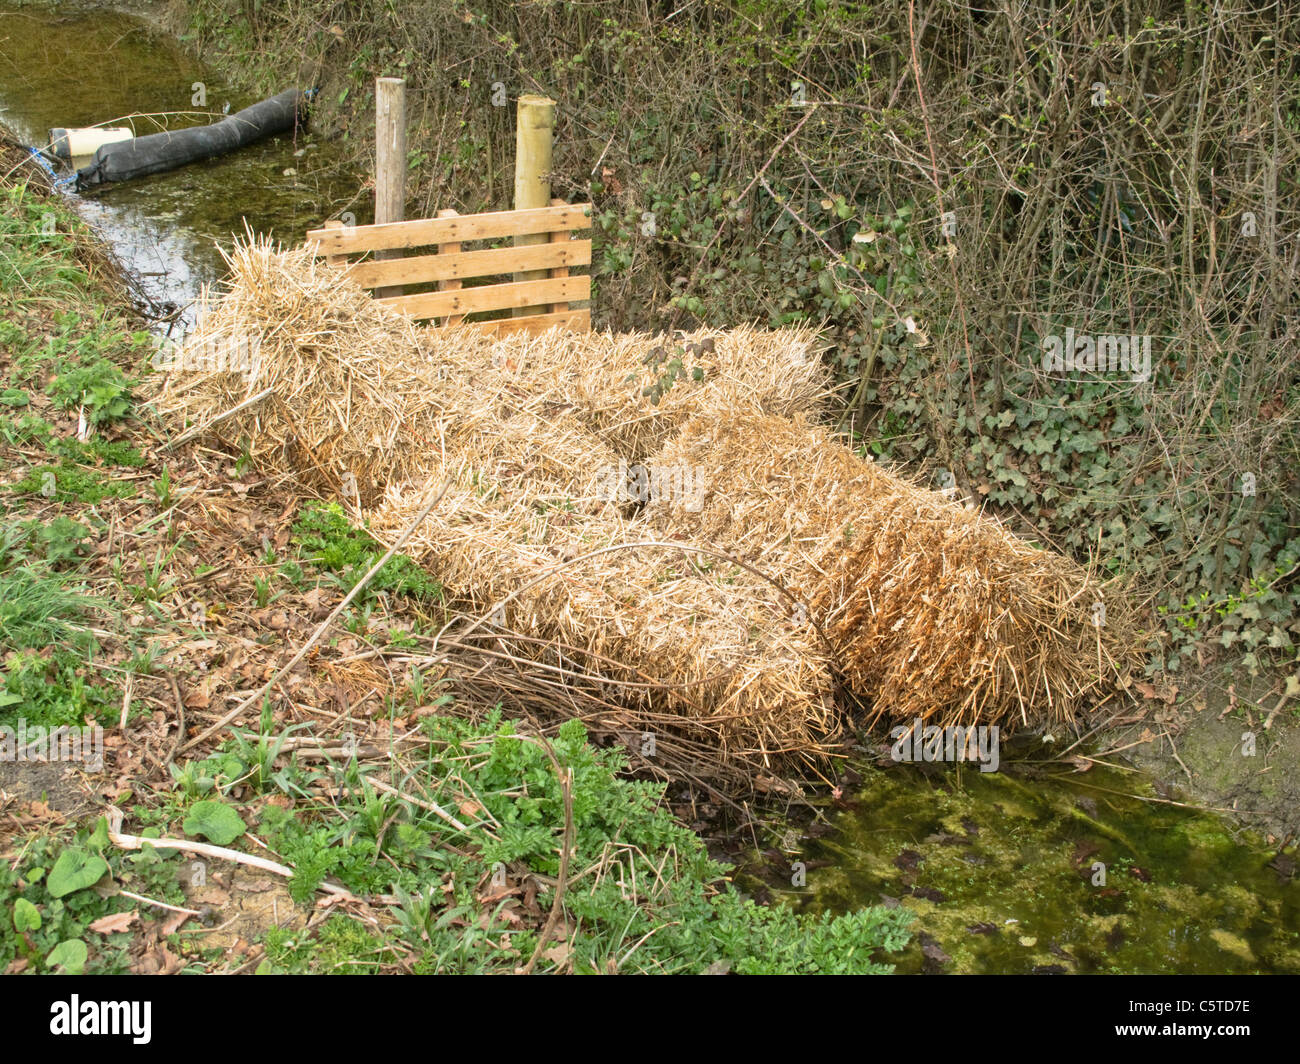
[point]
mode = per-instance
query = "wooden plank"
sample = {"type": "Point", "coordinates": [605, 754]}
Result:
{"type": "Point", "coordinates": [335, 260]}
{"type": "Point", "coordinates": [446, 251]}
{"type": "Point", "coordinates": [492, 297]}
{"type": "Point", "coordinates": [573, 320]}
{"type": "Point", "coordinates": [425, 231]}
{"type": "Point", "coordinates": [560, 239]}
{"type": "Point", "coordinates": [465, 265]}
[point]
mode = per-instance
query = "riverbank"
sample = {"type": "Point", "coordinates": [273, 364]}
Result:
{"type": "Point", "coordinates": [138, 579]}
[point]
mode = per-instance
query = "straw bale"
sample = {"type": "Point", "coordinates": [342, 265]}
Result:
{"type": "Point", "coordinates": [359, 389]}
{"type": "Point", "coordinates": [599, 378]}
{"type": "Point", "coordinates": [935, 610]}
{"type": "Point", "coordinates": [694, 650]}
{"type": "Point", "coordinates": [697, 651]}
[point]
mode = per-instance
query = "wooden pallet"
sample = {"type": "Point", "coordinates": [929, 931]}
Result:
{"type": "Point", "coordinates": [548, 300]}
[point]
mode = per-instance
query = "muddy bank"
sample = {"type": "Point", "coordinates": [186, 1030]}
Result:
{"type": "Point", "coordinates": [1208, 747]}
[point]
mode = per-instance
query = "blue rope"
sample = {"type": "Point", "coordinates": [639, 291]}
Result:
{"type": "Point", "coordinates": [59, 182]}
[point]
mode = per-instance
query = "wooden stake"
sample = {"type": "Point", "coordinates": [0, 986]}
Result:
{"type": "Point", "coordinates": [533, 135]}
{"type": "Point", "coordinates": [390, 159]}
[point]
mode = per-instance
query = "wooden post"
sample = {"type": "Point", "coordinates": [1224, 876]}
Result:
{"type": "Point", "coordinates": [390, 161]}
{"type": "Point", "coordinates": [443, 286]}
{"type": "Point", "coordinates": [534, 128]}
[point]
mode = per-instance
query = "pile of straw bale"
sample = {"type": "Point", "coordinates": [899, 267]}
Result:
{"type": "Point", "coordinates": [925, 608]}
{"type": "Point", "coordinates": [365, 406]}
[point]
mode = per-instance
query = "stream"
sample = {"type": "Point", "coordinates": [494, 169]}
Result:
{"type": "Point", "coordinates": [1040, 868]}
{"type": "Point", "coordinates": [1034, 868]}
{"type": "Point", "coordinates": [89, 68]}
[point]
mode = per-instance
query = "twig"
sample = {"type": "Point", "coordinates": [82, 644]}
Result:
{"type": "Point", "coordinates": [1282, 701]}
{"type": "Point", "coordinates": [199, 430]}
{"type": "Point", "coordinates": [324, 625]}
{"type": "Point", "coordinates": [1174, 750]}
{"type": "Point", "coordinates": [180, 727]}
{"type": "Point", "coordinates": [1169, 801]}
{"type": "Point", "coordinates": [158, 904]}
{"type": "Point", "coordinates": [126, 700]}
{"type": "Point", "coordinates": [566, 786]}
{"type": "Point", "coordinates": [221, 853]}
{"type": "Point", "coordinates": [433, 807]}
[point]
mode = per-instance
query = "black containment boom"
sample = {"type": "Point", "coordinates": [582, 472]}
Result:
{"type": "Point", "coordinates": [159, 152]}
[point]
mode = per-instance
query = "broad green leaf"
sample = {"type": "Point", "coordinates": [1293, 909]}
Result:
{"type": "Point", "coordinates": [69, 955]}
{"type": "Point", "coordinates": [26, 916]}
{"type": "Point", "coordinates": [75, 870]}
{"type": "Point", "coordinates": [214, 821]}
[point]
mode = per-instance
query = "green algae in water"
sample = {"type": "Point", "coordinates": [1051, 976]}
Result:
{"type": "Point", "coordinates": [1005, 876]}
{"type": "Point", "coordinates": [91, 67]}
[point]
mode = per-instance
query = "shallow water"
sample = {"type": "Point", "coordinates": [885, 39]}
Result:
{"type": "Point", "coordinates": [1003, 872]}
{"type": "Point", "coordinates": [107, 68]}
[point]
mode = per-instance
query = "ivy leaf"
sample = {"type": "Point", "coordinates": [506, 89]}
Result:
{"type": "Point", "coordinates": [75, 870]}
{"type": "Point", "coordinates": [214, 821]}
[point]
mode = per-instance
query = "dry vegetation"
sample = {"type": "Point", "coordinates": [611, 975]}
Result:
{"type": "Point", "coordinates": [724, 629]}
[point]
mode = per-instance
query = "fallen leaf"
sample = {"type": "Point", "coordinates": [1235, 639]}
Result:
{"type": "Point", "coordinates": [559, 954]}
{"type": "Point", "coordinates": [107, 925]}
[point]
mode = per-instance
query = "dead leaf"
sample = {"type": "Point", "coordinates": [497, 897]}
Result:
{"type": "Point", "coordinates": [197, 698]}
{"type": "Point", "coordinates": [107, 925]}
{"type": "Point", "coordinates": [559, 954]}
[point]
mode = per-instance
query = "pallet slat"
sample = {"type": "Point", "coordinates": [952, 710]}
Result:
{"type": "Point", "coordinates": [450, 230]}
{"type": "Point", "coordinates": [573, 320]}
{"type": "Point", "coordinates": [560, 240]}
{"type": "Point", "coordinates": [445, 285]}
{"type": "Point", "coordinates": [463, 265]}
{"type": "Point", "coordinates": [493, 297]}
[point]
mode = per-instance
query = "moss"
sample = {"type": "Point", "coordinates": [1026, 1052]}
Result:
{"type": "Point", "coordinates": [1001, 860]}
{"type": "Point", "coordinates": [1233, 944]}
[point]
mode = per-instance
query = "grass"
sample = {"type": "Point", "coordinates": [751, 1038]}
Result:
{"type": "Point", "coordinates": [37, 610]}
{"type": "Point", "coordinates": [70, 482]}
{"type": "Point", "coordinates": [643, 893]}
